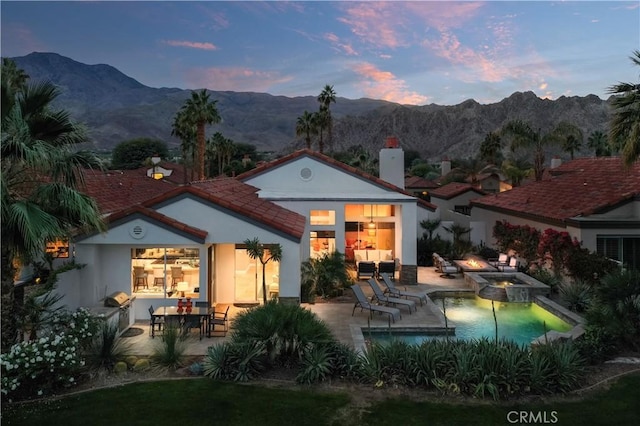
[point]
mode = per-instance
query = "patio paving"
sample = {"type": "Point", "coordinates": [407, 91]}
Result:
{"type": "Point", "coordinates": [337, 316]}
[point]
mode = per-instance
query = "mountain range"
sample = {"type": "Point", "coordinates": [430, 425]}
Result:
{"type": "Point", "coordinates": [116, 108]}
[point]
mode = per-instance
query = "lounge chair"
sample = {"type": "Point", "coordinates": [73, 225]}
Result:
{"type": "Point", "coordinates": [379, 295]}
{"type": "Point", "coordinates": [366, 269]}
{"type": "Point", "coordinates": [511, 267]}
{"type": "Point", "coordinates": [363, 302]}
{"type": "Point", "coordinates": [394, 291]}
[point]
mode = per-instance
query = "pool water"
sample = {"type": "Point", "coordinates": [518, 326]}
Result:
{"type": "Point", "coordinates": [473, 319]}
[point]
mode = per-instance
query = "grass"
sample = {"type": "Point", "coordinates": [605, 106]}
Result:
{"type": "Point", "coordinates": [205, 402]}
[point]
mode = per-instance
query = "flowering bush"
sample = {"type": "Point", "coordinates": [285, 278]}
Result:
{"type": "Point", "coordinates": [523, 239]}
{"type": "Point", "coordinates": [37, 367]}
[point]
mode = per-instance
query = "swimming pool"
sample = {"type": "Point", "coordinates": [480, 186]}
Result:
{"type": "Point", "coordinates": [472, 317]}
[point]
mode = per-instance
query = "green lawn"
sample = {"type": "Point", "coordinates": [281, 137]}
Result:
{"type": "Point", "coordinates": [206, 402]}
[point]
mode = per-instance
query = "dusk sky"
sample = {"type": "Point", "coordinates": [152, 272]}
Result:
{"type": "Point", "coordinates": [417, 52]}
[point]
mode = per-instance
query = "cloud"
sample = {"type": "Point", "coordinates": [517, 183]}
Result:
{"type": "Point", "coordinates": [18, 39]}
{"type": "Point", "coordinates": [378, 84]}
{"type": "Point", "coordinates": [345, 48]}
{"type": "Point", "coordinates": [234, 78]}
{"type": "Point", "coordinates": [374, 22]}
{"type": "Point", "coordinates": [191, 44]}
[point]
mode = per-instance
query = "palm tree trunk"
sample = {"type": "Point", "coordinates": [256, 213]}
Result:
{"type": "Point", "coordinates": [8, 303]}
{"type": "Point", "coordinates": [201, 149]}
{"type": "Point", "coordinates": [264, 282]}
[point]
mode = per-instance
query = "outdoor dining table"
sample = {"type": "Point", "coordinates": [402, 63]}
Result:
{"type": "Point", "coordinates": [181, 316]}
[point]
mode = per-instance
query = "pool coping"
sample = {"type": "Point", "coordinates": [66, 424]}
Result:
{"type": "Point", "coordinates": [358, 331]}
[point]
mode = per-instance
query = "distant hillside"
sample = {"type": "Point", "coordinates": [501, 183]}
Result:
{"type": "Point", "coordinates": [116, 107]}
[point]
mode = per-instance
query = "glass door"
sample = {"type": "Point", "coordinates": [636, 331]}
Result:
{"type": "Point", "coordinates": [246, 277]}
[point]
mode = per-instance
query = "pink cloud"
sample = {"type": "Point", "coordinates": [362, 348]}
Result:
{"type": "Point", "coordinates": [345, 48]}
{"type": "Point", "coordinates": [374, 22]}
{"type": "Point", "coordinates": [234, 78]}
{"type": "Point", "coordinates": [385, 85]}
{"type": "Point", "coordinates": [191, 44]}
{"type": "Point", "coordinates": [22, 40]}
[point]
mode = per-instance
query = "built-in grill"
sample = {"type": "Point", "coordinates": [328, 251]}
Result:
{"type": "Point", "coordinates": [121, 300]}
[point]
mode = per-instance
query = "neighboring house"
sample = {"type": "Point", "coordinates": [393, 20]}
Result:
{"type": "Point", "coordinates": [453, 202]}
{"type": "Point", "coordinates": [490, 183]}
{"type": "Point", "coordinates": [419, 187]}
{"type": "Point", "coordinates": [596, 200]}
{"type": "Point", "coordinates": [166, 240]}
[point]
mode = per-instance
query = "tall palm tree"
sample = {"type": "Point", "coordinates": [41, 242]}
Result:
{"type": "Point", "coordinates": [199, 110]}
{"type": "Point", "coordinates": [598, 142]}
{"type": "Point", "coordinates": [321, 122]}
{"type": "Point", "coordinates": [523, 135]}
{"type": "Point", "coordinates": [491, 148]}
{"type": "Point", "coordinates": [326, 97]}
{"type": "Point", "coordinates": [516, 169]}
{"type": "Point", "coordinates": [186, 131]}
{"type": "Point", "coordinates": [257, 250]}
{"type": "Point", "coordinates": [470, 169]}
{"type": "Point", "coordinates": [625, 121]}
{"type": "Point", "coordinates": [305, 126]}
{"type": "Point", "coordinates": [41, 181]}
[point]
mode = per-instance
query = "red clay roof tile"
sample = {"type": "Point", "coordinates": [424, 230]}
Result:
{"type": "Point", "coordinates": [453, 189]}
{"type": "Point", "coordinates": [581, 187]}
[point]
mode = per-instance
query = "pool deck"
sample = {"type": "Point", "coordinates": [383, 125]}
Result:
{"type": "Point", "coordinates": [336, 315]}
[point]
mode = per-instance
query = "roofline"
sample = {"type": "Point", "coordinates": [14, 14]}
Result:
{"type": "Point", "coordinates": [445, 197]}
{"type": "Point", "coordinates": [203, 196]}
{"type": "Point", "coordinates": [331, 163]}
{"type": "Point", "coordinates": [154, 217]}
{"type": "Point", "coordinates": [609, 224]}
{"type": "Point", "coordinates": [530, 216]}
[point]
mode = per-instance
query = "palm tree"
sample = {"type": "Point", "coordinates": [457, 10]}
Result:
{"type": "Point", "coordinates": [200, 111]}
{"type": "Point", "coordinates": [516, 169]}
{"type": "Point", "coordinates": [257, 250]}
{"type": "Point", "coordinates": [572, 144]}
{"type": "Point", "coordinates": [523, 135]}
{"type": "Point", "coordinates": [625, 121]}
{"type": "Point", "coordinates": [326, 97]}
{"type": "Point", "coordinates": [321, 121]}
{"type": "Point", "coordinates": [305, 126]}
{"type": "Point", "coordinates": [41, 177]}
{"type": "Point", "coordinates": [186, 131]}
{"type": "Point", "coordinates": [598, 142]}
{"type": "Point", "coordinates": [470, 170]}
{"type": "Point", "coordinates": [429, 226]}
{"type": "Point", "coordinates": [491, 148]}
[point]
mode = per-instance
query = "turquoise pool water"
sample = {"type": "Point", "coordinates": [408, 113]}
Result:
{"type": "Point", "coordinates": [473, 318]}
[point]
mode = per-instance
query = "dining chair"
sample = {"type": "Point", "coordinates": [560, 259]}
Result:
{"type": "Point", "coordinates": [159, 321]}
{"type": "Point", "coordinates": [220, 318]}
{"type": "Point", "coordinates": [176, 275]}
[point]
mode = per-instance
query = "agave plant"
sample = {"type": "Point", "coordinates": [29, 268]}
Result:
{"type": "Point", "coordinates": [107, 348]}
{"type": "Point", "coordinates": [170, 352]}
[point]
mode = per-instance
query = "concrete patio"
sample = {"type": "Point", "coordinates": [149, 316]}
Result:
{"type": "Point", "coordinates": [336, 315]}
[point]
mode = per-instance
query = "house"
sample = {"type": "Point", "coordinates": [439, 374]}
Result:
{"type": "Point", "coordinates": [419, 186]}
{"type": "Point", "coordinates": [167, 241]}
{"type": "Point", "coordinates": [596, 200]}
{"type": "Point", "coordinates": [453, 203]}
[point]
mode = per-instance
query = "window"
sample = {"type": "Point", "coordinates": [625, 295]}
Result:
{"type": "Point", "coordinates": [322, 242]}
{"type": "Point", "coordinates": [621, 248]}
{"type": "Point", "coordinates": [58, 248]}
{"type": "Point", "coordinates": [322, 217]}
{"type": "Point", "coordinates": [171, 271]}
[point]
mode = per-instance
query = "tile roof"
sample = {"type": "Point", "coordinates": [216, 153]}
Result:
{"type": "Point", "coordinates": [453, 189]}
{"type": "Point", "coordinates": [580, 187]}
{"type": "Point", "coordinates": [121, 192]}
{"type": "Point", "coordinates": [419, 182]}
{"type": "Point", "coordinates": [115, 190]}
{"type": "Point", "coordinates": [241, 198]}
{"type": "Point", "coordinates": [331, 162]}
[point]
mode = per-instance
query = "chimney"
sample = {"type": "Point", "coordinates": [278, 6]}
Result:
{"type": "Point", "coordinates": [555, 162]}
{"type": "Point", "coordinates": [445, 166]}
{"type": "Point", "coordinates": [392, 162]}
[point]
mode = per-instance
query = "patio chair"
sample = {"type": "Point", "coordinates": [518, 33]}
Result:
{"type": "Point", "coordinates": [191, 322]}
{"type": "Point", "coordinates": [366, 269]}
{"type": "Point", "coordinates": [511, 267]}
{"type": "Point", "coordinates": [219, 317]}
{"type": "Point", "coordinates": [387, 267]}
{"type": "Point", "coordinates": [392, 290]}
{"type": "Point", "coordinates": [363, 302]}
{"type": "Point", "coordinates": [502, 260]}
{"type": "Point", "coordinates": [155, 321]}
{"type": "Point", "coordinates": [379, 295]}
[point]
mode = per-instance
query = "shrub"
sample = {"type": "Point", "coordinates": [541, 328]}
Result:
{"type": "Point", "coordinates": [576, 295]}
{"type": "Point", "coordinates": [595, 345]}
{"type": "Point", "coordinates": [547, 277]}
{"type": "Point", "coordinates": [238, 361]}
{"type": "Point", "coordinates": [286, 331]}
{"type": "Point", "coordinates": [389, 364]}
{"type": "Point", "coordinates": [170, 352]}
{"type": "Point", "coordinates": [316, 365]}
{"type": "Point", "coordinates": [325, 276]}
{"type": "Point", "coordinates": [107, 348]}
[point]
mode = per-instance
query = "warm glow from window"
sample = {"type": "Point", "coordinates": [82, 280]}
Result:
{"type": "Point", "coordinates": [58, 248]}
{"type": "Point", "coordinates": [322, 217]}
{"type": "Point", "coordinates": [158, 176]}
